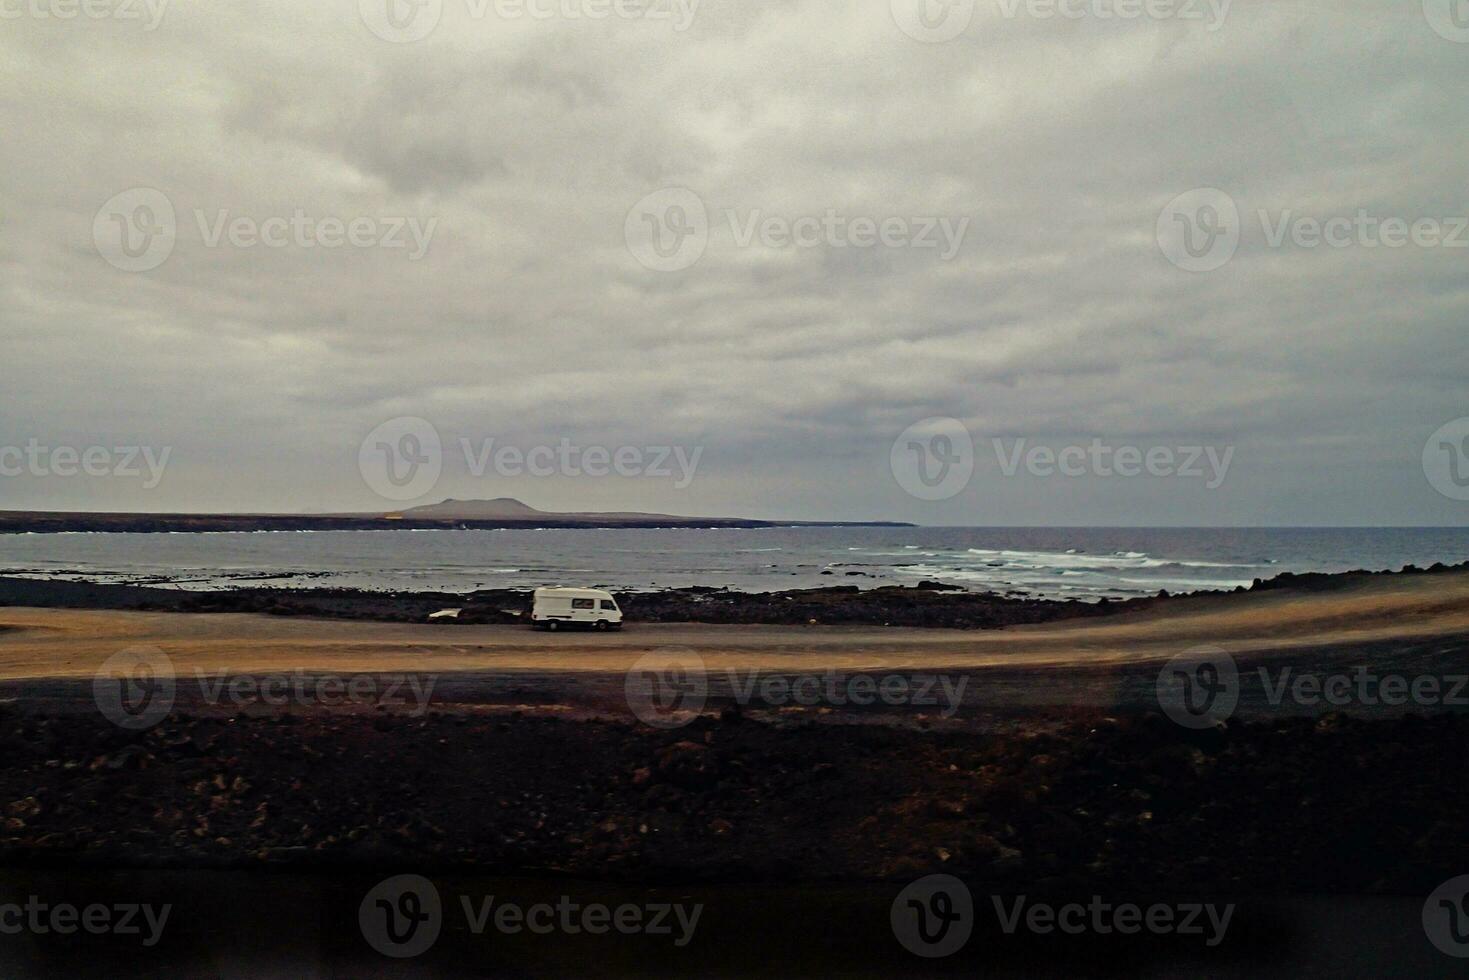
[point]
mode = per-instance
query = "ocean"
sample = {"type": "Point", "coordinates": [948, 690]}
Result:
{"type": "Point", "coordinates": [1085, 563]}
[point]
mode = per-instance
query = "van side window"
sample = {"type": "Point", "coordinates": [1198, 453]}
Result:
{"type": "Point", "coordinates": [583, 604]}
{"type": "Point", "coordinates": [608, 604]}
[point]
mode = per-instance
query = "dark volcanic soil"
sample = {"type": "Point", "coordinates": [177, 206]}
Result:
{"type": "Point", "coordinates": [1319, 805]}
{"type": "Point", "coordinates": [838, 605]}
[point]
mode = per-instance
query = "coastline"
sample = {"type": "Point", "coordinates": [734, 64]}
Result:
{"type": "Point", "coordinates": [63, 522]}
{"type": "Point", "coordinates": [925, 605]}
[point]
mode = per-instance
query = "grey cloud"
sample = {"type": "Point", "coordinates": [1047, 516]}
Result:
{"type": "Point", "coordinates": [528, 318]}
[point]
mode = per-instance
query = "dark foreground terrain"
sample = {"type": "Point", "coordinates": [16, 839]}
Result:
{"type": "Point", "coordinates": [270, 830]}
{"type": "Point", "coordinates": [264, 833]}
{"type": "Point", "coordinates": [1330, 804]}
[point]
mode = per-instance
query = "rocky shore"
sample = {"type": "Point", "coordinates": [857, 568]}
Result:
{"type": "Point", "coordinates": [930, 604]}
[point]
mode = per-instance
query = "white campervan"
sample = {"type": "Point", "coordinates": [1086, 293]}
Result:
{"type": "Point", "coordinates": [556, 608]}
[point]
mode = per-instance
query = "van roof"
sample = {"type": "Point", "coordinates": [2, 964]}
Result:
{"type": "Point", "coordinates": [584, 593]}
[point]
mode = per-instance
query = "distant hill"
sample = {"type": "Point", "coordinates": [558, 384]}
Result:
{"type": "Point", "coordinates": [510, 509]}
{"type": "Point", "coordinates": [501, 508]}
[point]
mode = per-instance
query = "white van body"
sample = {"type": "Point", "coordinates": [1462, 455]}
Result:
{"type": "Point", "coordinates": [556, 608]}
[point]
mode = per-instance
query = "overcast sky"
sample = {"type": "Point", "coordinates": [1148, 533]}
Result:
{"type": "Point", "coordinates": [1028, 283]}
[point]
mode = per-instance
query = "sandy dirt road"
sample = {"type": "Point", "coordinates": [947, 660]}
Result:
{"type": "Point", "coordinates": [61, 643]}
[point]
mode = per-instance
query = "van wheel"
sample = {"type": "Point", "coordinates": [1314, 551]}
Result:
{"type": "Point", "coordinates": [600, 626]}
{"type": "Point", "coordinates": [553, 625]}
